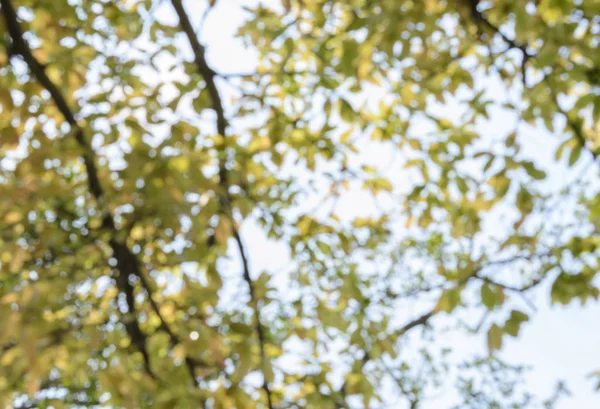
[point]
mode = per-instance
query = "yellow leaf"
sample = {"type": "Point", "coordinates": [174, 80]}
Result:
{"type": "Point", "coordinates": [364, 66]}
{"type": "Point", "coordinates": [245, 362]}
{"type": "Point", "coordinates": [449, 300]}
{"type": "Point", "coordinates": [260, 143]}
{"type": "Point", "coordinates": [360, 222]}
{"type": "Point", "coordinates": [346, 135]}
{"type": "Point", "coordinates": [54, 73]}
{"type": "Point", "coordinates": [180, 163]}
{"type": "Point", "coordinates": [33, 384]}
{"type": "Point", "coordinates": [137, 233]}
{"type": "Point", "coordinates": [179, 352]}
{"type": "Point", "coordinates": [10, 298]}
{"type": "Point", "coordinates": [13, 217]}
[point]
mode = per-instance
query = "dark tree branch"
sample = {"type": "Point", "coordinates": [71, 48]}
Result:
{"type": "Point", "coordinates": [481, 19]}
{"type": "Point", "coordinates": [190, 363]}
{"type": "Point", "coordinates": [20, 47]}
{"type": "Point", "coordinates": [127, 262]}
{"type": "Point", "coordinates": [210, 77]}
{"type": "Point", "coordinates": [482, 22]}
{"type": "Point", "coordinates": [520, 290]}
{"type": "Point", "coordinates": [417, 322]}
{"type": "Point", "coordinates": [575, 126]}
{"type": "Point", "coordinates": [426, 317]}
{"type": "Point", "coordinates": [258, 326]}
{"type": "Point", "coordinates": [222, 124]}
{"type": "Point", "coordinates": [200, 59]}
{"type": "Point", "coordinates": [512, 288]}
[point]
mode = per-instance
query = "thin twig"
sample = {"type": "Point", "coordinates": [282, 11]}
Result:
{"type": "Point", "coordinates": [575, 127]}
{"type": "Point", "coordinates": [512, 288]}
{"type": "Point", "coordinates": [254, 302]}
{"type": "Point", "coordinates": [190, 363]}
{"type": "Point", "coordinates": [481, 19]}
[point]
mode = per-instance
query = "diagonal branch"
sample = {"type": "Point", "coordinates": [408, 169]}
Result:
{"type": "Point", "coordinates": [127, 262]}
{"type": "Point", "coordinates": [222, 123]}
{"type": "Point", "coordinates": [190, 363]}
{"type": "Point", "coordinates": [482, 21]}
{"type": "Point", "coordinates": [20, 47]}
{"type": "Point", "coordinates": [200, 59]}
{"type": "Point", "coordinates": [577, 129]}
{"type": "Point", "coordinates": [210, 77]}
{"type": "Point", "coordinates": [512, 288]}
{"type": "Point", "coordinates": [575, 126]}
{"type": "Point", "coordinates": [417, 322]}
{"type": "Point", "coordinates": [258, 326]}
{"type": "Point", "coordinates": [426, 317]}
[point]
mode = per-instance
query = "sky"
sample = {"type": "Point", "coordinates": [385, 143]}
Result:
{"type": "Point", "coordinates": [559, 342]}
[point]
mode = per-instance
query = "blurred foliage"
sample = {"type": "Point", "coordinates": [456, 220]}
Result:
{"type": "Point", "coordinates": [128, 169]}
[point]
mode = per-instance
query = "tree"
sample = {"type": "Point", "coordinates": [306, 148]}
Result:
{"type": "Point", "coordinates": [130, 166]}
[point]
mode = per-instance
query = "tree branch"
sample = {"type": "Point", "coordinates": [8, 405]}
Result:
{"type": "Point", "coordinates": [209, 76]}
{"type": "Point", "coordinates": [254, 302]}
{"type": "Point", "coordinates": [190, 363]}
{"type": "Point", "coordinates": [575, 126]}
{"type": "Point", "coordinates": [20, 47]}
{"type": "Point", "coordinates": [516, 289]}
{"type": "Point", "coordinates": [200, 59]}
{"type": "Point", "coordinates": [417, 322]}
{"type": "Point", "coordinates": [127, 262]}
{"type": "Point", "coordinates": [481, 20]}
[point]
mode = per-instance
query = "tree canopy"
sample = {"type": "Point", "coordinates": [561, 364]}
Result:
{"type": "Point", "coordinates": [135, 176]}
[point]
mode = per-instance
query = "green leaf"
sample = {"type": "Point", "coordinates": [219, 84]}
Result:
{"type": "Point", "coordinates": [513, 324]}
{"type": "Point", "coordinates": [449, 300]}
{"type": "Point", "coordinates": [567, 287]}
{"type": "Point", "coordinates": [488, 297]}
{"type": "Point", "coordinates": [346, 111]}
{"type": "Point", "coordinates": [533, 171]}
{"type": "Point", "coordinates": [575, 154]}
{"type": "Point", "coordinates": [494, 338]}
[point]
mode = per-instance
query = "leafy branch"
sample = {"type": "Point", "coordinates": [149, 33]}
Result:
{"type": "Point", "coordinates": [483, 22]}
{"type": "Point", "coordinates": [127, 262]}
{"type": "Point", "coordinates": [576, 126]}
{"type": "Point", "coordinates": [209, 76]}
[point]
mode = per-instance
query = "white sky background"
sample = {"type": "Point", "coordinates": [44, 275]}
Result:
{"type": "Point", "coordinates": [560, 342]}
